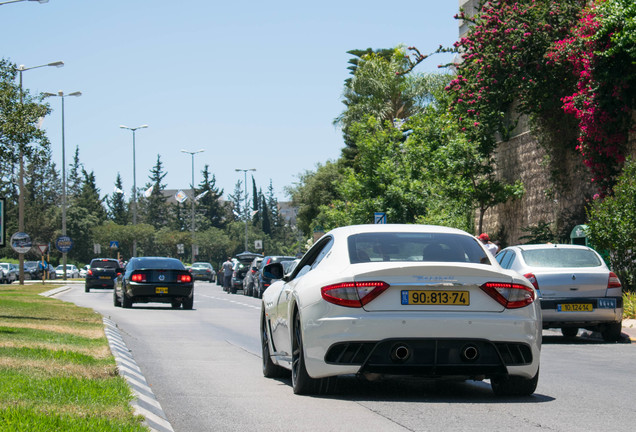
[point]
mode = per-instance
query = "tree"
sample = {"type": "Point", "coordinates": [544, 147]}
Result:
{"type": "Point", "coordinates": [213, 212]}
{"type": "Point", "coordinates": [117, 205]}
{"type": "Point", "coordinates": [237, 203]}
{"type": "Point", "coordinates": [74, 178]}
{"type": "Point", "coordinates": [154, 208]}
{"type": "Point", "coordinates": [381, 87]}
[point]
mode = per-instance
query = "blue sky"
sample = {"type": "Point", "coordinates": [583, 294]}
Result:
{"type": "Point", "coordinates": [255, 84]}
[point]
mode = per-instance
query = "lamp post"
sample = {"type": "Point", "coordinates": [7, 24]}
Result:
{"type": "Point", "coordinates": [246, 218]}
{"type": "Point", "coordinates": [21, 69]}
{"type": "Point", "coordinates": [192, 153]}
{"type": "Point", "coordinates": [61, 95]}
{"type": "Point", "coordinates": [133, 129]}
{"type": "Point", "coordinates": [18, 1]}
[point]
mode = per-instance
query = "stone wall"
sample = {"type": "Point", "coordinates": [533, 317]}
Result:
{"type": "Point", "coordinates": [521, 158]}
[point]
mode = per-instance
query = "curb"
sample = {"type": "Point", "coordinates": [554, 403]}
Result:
{"type": "Point", "coordinates": [145, 403]}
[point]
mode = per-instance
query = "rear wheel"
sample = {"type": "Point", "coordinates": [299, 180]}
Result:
{"type": "Point", "coordinates": [570, 331]}
{"type": "Point", "coordinates": [188, 303]}
{"type": "Point", "coordinates": [514, 385]}
{"type": "Point", "coordinates": [302, 383]}
{"type": "Point", "coordinates": [126, 301]}
{"type": "Point", "coordinates": [116, 301]}
{"type": "Point", "coordinates": [270, 370]}
{"type": "Point", "coordinates": [612, 332]}
{"type": "Point", "coordinates": [176, 304]}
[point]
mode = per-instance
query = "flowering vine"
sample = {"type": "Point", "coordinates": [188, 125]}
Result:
{"type": "Point", "coordinates": [547, 58]}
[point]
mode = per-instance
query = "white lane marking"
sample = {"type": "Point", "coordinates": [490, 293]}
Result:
{"type": "Point", "coordinates": [229, 300]}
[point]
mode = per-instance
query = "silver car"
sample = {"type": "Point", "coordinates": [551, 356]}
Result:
{"type": "Point", "coordinates": [576, 288]}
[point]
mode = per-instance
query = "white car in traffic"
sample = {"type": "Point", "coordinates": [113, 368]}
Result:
{"type": "Point", "coordinates": [400, 300]}
{"type": "Point", "coordinates": [72, 271]}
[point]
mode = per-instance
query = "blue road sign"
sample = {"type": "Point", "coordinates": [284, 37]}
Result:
{"type": "Point", "coordinates": [379, 217]}
{"type": "Point", "coordinates": [64, 244]}
{"type": "Point", "coordinates": [114, 244]}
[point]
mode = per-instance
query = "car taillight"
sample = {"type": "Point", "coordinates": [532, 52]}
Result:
{"type": "Point", "coordinates": [532, 279]}
{"type": "Point", "coordinates": [185, 278]}
{"type": "Point", "coordinates": [90, 272]}
{"type": "Point", "coordinates": [353, 294]}
{"type": "Point", "coordinates": [613, 281]}
{"type": "Point", "coordinates": [509, 295]}
{"type": "Point", "coordinates": [138, 277]}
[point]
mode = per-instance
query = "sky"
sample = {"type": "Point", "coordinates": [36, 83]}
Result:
{"type": "Point", "coordinates": [254, 84]}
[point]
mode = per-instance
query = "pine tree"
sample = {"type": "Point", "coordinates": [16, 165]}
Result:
{"type": "Point", "coordinates": [74, 178]}
{"type": "Point", "coordinates": [210, 210]}
{"type": "Point", "coordinates": [154, 210]}
{"type": "Point", "coordinates": [117, 205]}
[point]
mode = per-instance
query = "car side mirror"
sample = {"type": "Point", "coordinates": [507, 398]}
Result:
{"type": "Point", "coordinates": [274, 271]}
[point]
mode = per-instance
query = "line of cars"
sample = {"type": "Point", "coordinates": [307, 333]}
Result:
{"type": "Point", "coordinates": [428, 301]}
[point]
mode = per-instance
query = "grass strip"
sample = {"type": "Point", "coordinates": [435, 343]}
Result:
{"type": "Point", "coordinates": [56, 370]}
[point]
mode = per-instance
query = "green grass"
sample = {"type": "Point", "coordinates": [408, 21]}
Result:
{"type": "Point", "coordinates": [56, 369]}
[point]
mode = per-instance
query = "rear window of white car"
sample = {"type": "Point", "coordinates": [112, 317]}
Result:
{"type": "Point", "coordinates": [559, 257]}
{"type": "Point", "coordinates": [427, 247]}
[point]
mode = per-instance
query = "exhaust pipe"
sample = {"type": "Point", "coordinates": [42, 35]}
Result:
{"type": "Point", "coordinates": [469, 353]}
{"type": "Point", "coordinates": [400, 353]}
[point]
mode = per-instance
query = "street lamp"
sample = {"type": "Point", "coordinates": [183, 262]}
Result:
{"type": "Point", "coordinates": [246, 218]}
{"type": "Point", "coordinates": [134, 182]}
{"type": "Point", "coordinates": [21, 69]}
{"type": "Point", "coordinates": [62, 96]}
{"type": "Point", "coordinates": [18, 1]}
{"type": "Point", "coordinates": [192, 153]}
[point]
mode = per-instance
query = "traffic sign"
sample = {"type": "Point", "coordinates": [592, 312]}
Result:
{"type": "Point", "coordinates": [21, 242]}
{"type": "Point", "coordinates": [114, 244]}
{"type": "Point", "coordinates": [379, 217]}
{"type": "Point", "coordinates": [42, 248]}
{"type": "Point", "coordinates": [64, 244]}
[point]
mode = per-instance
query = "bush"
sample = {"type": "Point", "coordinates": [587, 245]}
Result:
{"type": "Point", "coordinates": [612, 226]}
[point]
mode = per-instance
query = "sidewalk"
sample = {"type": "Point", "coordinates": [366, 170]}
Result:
{"type": "Point", "coordinates": [629, 328]}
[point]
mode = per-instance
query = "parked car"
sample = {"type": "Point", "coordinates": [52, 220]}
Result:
{"type": "Point", "coordinates": [102, 273]}
{"type": "Point", "coordinates": [263, 282]}
{"type": "Point", "coordinates": [576, 288]}
{"type": "Point", "coordinates": [84, 270]}
{"type": "Point", "coordinates": [32, 270]}
{"type": "Point", "coordinates": [203, 271]}
{"type": "Point", "coordinates": [154, 279]}
{"type": "Point", "coordinates": [72, 271]}
{"type": "Point", "coordinates": [251, 276]}
{"type": "Point", "coordinates": [241, 266]}
{"type": "Point", "coordinates": [9, 273]}
{"type": "Point", "coordinates": [400, 300]}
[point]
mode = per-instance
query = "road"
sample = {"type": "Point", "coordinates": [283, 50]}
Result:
{"type": "Point", "coordinates": [204, 367]}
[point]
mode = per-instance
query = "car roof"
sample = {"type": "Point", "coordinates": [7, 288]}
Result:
{"type": "Point", "coordinates": [405, 228]}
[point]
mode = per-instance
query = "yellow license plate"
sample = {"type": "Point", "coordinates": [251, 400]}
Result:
{"type": "Point", "coordinates": [105, 277]}
{"type": "Point", "coordinates": [161, 290]}
{"type": "Point", "coordinates": [435, 297]}
{"type": "Point", "coordinates": [575, 307]}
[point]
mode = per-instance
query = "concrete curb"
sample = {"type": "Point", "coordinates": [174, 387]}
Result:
{"type": "Point", "coordinates": [145, 403]}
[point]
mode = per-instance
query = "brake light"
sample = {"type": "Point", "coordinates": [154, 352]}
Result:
{"type": "Point", "coordinates": [90, 272]}
{"type": "Point", "coordinates": [613, 281]}
{"type": "Point", "coordinates": [184, 278]}
{"type": "Point", "coordinates": [532, 279]}
{"type": "Point", "coordinates": [353, 294]}
{"type": "Point", "coordinates": [509, 295]}
{"type": "Point", "coordinates": [138, 277]}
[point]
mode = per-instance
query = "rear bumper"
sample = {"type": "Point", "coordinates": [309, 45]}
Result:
{"type": "Point", "coordinates": [602, 312]}
{"type": "Point", "coordinates": [152, 293]}
{"type": "Point", "coordinates": [99, 283]}
{"type": "Point", "coordinates": [435, 342]}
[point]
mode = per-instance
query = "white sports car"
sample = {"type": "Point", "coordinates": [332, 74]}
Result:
{"type": "Point", "coordinates": [400, 300]}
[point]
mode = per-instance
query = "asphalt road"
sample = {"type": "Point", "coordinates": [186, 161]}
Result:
{"type": "Point", "coordinates": [204, 368]}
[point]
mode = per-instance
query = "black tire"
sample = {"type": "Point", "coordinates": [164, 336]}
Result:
{"type": "Point", "coordinates": [233, 289]}
{"type": "Point", "coordinates": [126, 302]}
{"type": "Point", "coordinates": [188, 303]}
{"type": "Point", "coordinates": [86, 288]}
{"type": "Point", "coordinates": [175, 304]}
{"type": "Point", "coordinates": [612, 332]}
{"type": "Point", "coordinates": [514, 385]}
{"type": "Point", "coordinates": [570, 332]}
{"type": "Point", "coordinates": [116, 301]}
{"type": "Point", "coordinates": [302, 383]}
{"type": "Point", "coordinates": [270, 370]}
